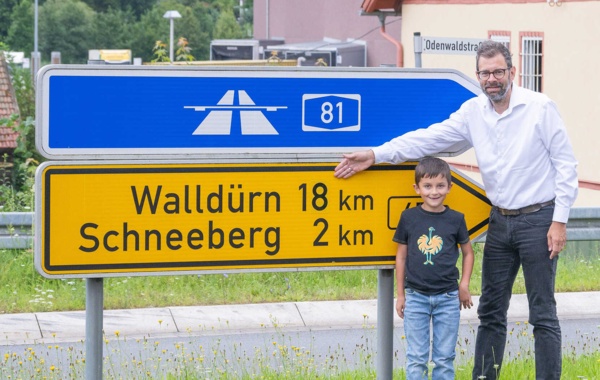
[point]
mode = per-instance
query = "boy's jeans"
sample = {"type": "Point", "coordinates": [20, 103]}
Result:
{"type": "Point", "coordinates": [511, 242]}
{"type": "Point", "coordinates": [443, 311]}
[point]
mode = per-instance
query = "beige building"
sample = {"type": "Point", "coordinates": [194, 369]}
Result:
{"type": "Point", "coordinates": [554, 45]}
{"type": "Point", "coordinates": [553, 42]}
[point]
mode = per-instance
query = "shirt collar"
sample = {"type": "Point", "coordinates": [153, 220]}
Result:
{"type": "Point", "coordinates": [517, 97]}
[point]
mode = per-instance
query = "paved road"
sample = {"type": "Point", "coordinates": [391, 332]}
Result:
{"type": "Point", "coordinates": [334, 335]}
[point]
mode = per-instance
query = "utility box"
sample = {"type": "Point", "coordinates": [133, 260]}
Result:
{"type": "Point", "coordinates": [264, 44]}
{"type": "Point", "coordinates": [322, 53]}
{"type": "Point", "coordinates": [109, 57]}
{"type": "Point", "coordinates": [227, 50]}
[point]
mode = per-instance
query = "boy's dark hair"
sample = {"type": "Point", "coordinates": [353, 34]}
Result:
{"type": "Point", "coordinates": [489, 49]}
{"type": "Point", "coordinates": [431, 167]}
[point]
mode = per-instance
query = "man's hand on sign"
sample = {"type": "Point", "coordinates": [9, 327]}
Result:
{"type": "Point", "coordinates": [353, 163]}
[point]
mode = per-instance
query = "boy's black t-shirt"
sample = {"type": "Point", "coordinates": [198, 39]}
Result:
{"type": "Point", "coordinates": [432, 240]}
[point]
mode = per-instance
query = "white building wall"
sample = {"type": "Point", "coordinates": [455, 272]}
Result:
{"type": "Point", "coordinates": [571, 34]}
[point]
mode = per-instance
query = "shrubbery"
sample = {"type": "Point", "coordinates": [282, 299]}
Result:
{"type": "Point", "coordinates": [17, 186]}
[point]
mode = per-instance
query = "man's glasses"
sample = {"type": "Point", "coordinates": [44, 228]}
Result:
{"type": "Point", "coordinates": [498, 73]}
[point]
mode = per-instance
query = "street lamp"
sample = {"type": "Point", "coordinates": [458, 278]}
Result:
{"type": "Point", "coordinates": [171, 15]}
{"type": "Point", "coordinates": [35, 57]}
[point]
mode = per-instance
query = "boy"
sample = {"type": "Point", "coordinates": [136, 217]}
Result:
{"type": "Point", "coordinates": [428, 291]}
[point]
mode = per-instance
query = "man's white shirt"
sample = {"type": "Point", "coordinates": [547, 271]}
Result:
{"type": "Point", "coordinates": [524, 155]}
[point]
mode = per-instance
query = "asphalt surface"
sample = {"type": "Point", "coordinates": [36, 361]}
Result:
{"type": "Point", "coordinates": [35, 328]}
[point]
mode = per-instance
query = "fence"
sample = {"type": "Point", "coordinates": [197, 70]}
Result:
{"type": "Point", "coordinates": [16, 228]}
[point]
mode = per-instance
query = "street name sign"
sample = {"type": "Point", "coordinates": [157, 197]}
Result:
{"type": "Point", "coordinates": [449, 45]}
{"type": "Point", "coordinates": [145, 112]}
{"type": "Point", "coordinates": [156, 218]}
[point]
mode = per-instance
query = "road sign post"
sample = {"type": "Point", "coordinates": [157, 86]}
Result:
{"type": "Point", "coordinates": [253, 199]}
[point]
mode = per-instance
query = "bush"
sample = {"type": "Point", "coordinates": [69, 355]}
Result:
{"type": "Point", "coordinates": [17, 192]}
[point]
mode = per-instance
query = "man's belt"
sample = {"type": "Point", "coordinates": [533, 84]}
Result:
{"type": "Point", "coordinates": [524, 210]}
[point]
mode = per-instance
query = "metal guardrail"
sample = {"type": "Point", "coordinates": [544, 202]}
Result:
{"type": "Point", "coordinates": [16, 228]}
{"type": "Point", "coordinates": [584, 224]}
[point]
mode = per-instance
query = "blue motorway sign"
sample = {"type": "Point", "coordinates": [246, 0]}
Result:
{"type": "Point", "coordinates": [141, 111]}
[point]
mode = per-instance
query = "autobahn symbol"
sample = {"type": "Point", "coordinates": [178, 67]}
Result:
{"type": "Point", "coordinates": [252, 120]}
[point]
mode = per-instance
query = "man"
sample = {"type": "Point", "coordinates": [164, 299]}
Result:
{"type": "Point", "coordinates": [529, 173]}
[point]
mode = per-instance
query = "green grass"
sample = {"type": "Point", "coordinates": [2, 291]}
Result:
{"type": "Point", "coordinates": [277, 359]}
{"type": "Point", "coordinates": [24, 290]}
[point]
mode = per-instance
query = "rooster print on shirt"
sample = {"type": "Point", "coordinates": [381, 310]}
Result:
{"type": "Point", "coordinates": [430, 245]}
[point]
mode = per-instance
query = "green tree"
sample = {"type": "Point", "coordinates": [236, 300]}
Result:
{"type": "Point", "coordinates": [246, 17]}
{"type": "Point", "coordinates": [22, 83]}
{"type": "Point", "coordinates": [25, 160]}
{"type": "Point", "coordinates": [189, 26]}
{"type": "Point", "coordinates": [6, 9]}
{"type": "Point", "coordinates": [227, 26]}
{"type": "Point", "coordinates": [119, 23]}
{"type": "Point", "coordinates": [153, 27]}
{"type": "Point", "coordinates": [66, 26]}
{"type": "Point", "coordinates": [20, 31]}
{"type": "Point", "coordinates": [137, 7]}
{"type": "Point", "coordinates": [103, 5]}
{"type": "Point", "coordinates": [75, 26]}
{"type": "Point", "coordinates": [223, 5]}
{"type": "Point", "coordinates": [207, 16]}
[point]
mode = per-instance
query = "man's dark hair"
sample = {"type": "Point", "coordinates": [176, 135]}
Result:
{"type": "Point", "coordinates": [431, 167]}
{"type": "Point", "coordinates": [489, 49]}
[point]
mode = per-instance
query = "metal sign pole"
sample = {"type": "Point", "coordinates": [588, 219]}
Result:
{"type": "Point", "coordinates": [94, 300]}
{"type": "Point", "coordinates": [418, 49]}
{"type": "Point", "coordinates": [385, 324]}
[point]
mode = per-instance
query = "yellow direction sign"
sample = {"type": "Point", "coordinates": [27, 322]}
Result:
{"type": "Point", "coordinates": [155, 219]}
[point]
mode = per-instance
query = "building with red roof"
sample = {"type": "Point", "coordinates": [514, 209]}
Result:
{"type": "Point", "coordinates": [8, 107]}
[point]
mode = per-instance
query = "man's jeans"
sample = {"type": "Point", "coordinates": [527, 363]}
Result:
{"type": "Point", "coordinates": [513, 241]}
{"type": "Point", "coordinates": [443, 311]}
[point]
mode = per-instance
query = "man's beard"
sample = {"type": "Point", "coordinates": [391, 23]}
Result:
{"type": "Point", "coordinates": [498, 96]}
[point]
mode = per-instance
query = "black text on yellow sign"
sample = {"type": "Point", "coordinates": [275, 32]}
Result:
{"type": "Point", "coordinates": [111, 220]}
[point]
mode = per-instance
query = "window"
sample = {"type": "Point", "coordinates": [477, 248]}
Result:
{"type": "Point", "coordinates": [531, 61]}
{"type": "Point", "coordinates": [500, 36]}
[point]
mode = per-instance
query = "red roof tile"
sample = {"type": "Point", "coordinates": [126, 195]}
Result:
{"type": "Point", "coordinates": [8, 107]}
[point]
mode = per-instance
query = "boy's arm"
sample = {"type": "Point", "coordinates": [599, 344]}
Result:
{"type": "Point", "coordinates": [400, 274]}
{"type": "Point", "coordinates": [467, 268]}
